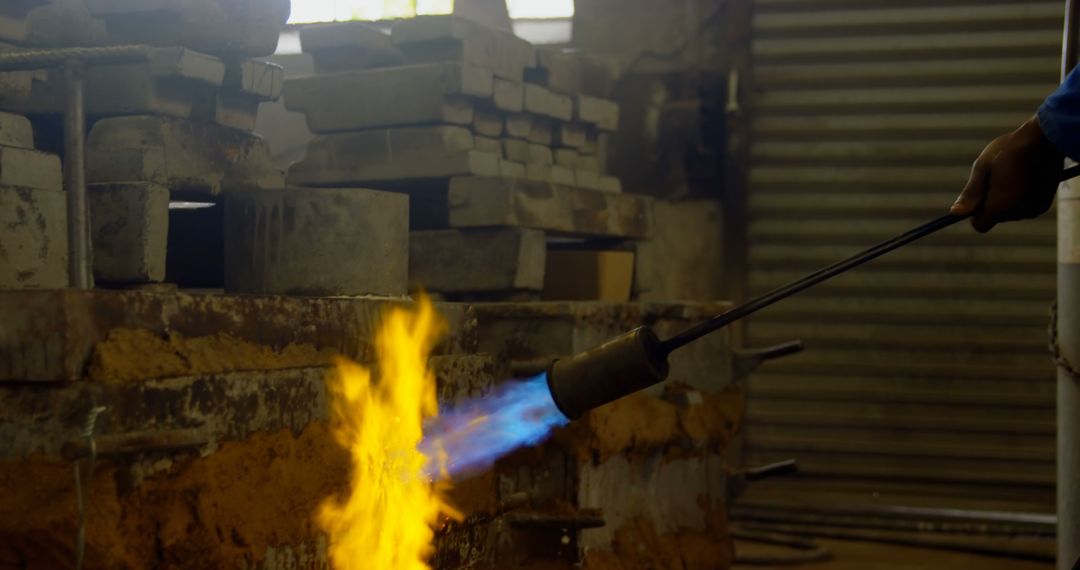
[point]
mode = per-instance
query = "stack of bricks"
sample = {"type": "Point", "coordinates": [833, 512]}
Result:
{"type": "Point", "coordinates": [498, 146]}
{"type": "Point", "coordinates": [176, 125]}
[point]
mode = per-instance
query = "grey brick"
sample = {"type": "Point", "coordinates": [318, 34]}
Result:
{"type": "Point", "coordinates": [33, 238]}
{"type": "Point", "coordinates": [488, 260]}
{"type": "Point", "coordinates": [15, 130]}
{"type": "Point", "coordinates": [511, 169]}
{"type": "Point", "coordinates": [26, 168]}
{"type": "Point", "coordinates": [516, 150]}
{"type": "Point", "coordinates": [349, 45]}
{"type": "Point", "coordinates": [130, 229]}
{"type": "Point", "coordinates": [538, 171]}
{"type": "Point", "coordinates": [391, 155]}
{"type": "Point", "coordinates": [509, 95]}
{"type": "Point", "coordinates": [488, 144]}
{"type": "Point", "coordinates": [542, 101]}
{"type": "Point", "coordinates": [595, 111]}
{"type": "Point", "coordinates": [587, 179]}
{"type": "Point", "coordinates": [495, 202]}
{"type": "Point", "coordinates": [487, 122]}
{"type": "Point", "coordinates": [542, 131]}
{"type": "Point", "coordinates": [181, 155]}
{"type": "Point", "coordinates": [451, 38]}
{"type": "Point", "coordinates": [518, 125]}
{"type": "Point", "coordinates": [566, 157]}
{"type": "Point", "coordinates": [234, 28]}
{"type": "Point", "coordinates": [610, 184]}
{"type": "Point", "coordinates": [562, 175]}
{"type": "Point", "coordinates": [540, 154]}
{"type": "Point", "coordinates": [392, 96]}
{"type": "Point", "coordinates": [570, 135]}
{"type": "Point", "coordinates": [316, 241]}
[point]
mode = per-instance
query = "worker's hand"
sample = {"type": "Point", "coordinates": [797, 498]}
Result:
{"type": "Point", "coordinates": [1014, 178]}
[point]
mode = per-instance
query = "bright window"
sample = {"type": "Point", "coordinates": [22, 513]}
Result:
{"type": "Point", "coordinates": [304, 11]}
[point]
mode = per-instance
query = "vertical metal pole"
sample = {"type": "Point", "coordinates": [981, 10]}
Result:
{"type": "Point", "coordinates": [1068, 338]}
{"type": "Point", "coordinates": [78, 218]}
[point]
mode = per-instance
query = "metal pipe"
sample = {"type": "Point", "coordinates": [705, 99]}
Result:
{"type": "Point", "coordinates": [80, 275]}
{"type": "Point", "coordinates": [1067, 337]}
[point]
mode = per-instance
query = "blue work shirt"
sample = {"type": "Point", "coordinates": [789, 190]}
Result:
{"type": "Point", "coordinates": [1059, 116]}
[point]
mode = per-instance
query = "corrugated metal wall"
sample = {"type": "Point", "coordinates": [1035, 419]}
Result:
{"type": "Point", "coordinates": [926, 378]}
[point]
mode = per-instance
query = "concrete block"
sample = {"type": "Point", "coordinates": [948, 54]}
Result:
{"type": "Point", "coordinates": [392, 96]}
{"type": "Point", "coordinates": [566, 157]}
{"type": "Point", "coordinates": [343, 46]}
{"type": "Point", "coordinates": [509, 95]}
{"type": "Point", "coordinates": [511, 169]}
{"type": "Point", "coordinates": [173, 82]}
{"type": "Point", "coordinates": [392, 155]}
{"type": "Point", "coordinates": [51, 24]}
{"type": "Point", "coordinates": [15, 130]}
{"type": "Point", "coordinates": [316, 241]}
{"type": "Point", "coordinates": [487, 122]}
{"type": "Point", "coordinates": [538, 172]}
{"type": "Point", "coordinates": [25, 168]}
{"type": "Point", "coordinates": [542, 101]}
{"type": "Point", "coordinates": [597, 146]}
{"type": "Point", "coordinates": [493, 202]}
{"type": "Point", "coordinates": [562, 175]}
{"type": "Point", "coordinates": [516, 150]}
{"type": "Point", "coordinates": [234, 28]}
{"type": "Point", "coordinates": [542, 131]}
{"type": "Point", "coordinates": [587, 179]}
{"type": "Point", "coordinates": [451, 38]}
{"type": "Point", "coordinates": [488, 260]}
{"type": "Point", "coordinates": [595, 111]}
{"type": "Point", "coordinates": [247, 85]}
{"type": "Point", "coordinates": [570, 135]}
{"type": "Point", "coordinates": [129, 230]}
{"type": "Point", "coordinates": [610, 184]}
{"type": "Point", "coordinates": [557, 70]}
{"type": "Point", "coordinates": [518, 125]}
{"type": "Point", "coordinates": [540, 154]}
{"type": "Point", "coordinates": [181, 155]}
{"type": "Point", "coordinates": [33, 238]}
{"type": "Point", "coordinates": [488, 144]}
{"type": "Point", "coordinates": [588, 163]}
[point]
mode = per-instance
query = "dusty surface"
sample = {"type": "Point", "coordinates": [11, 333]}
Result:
{"type": "Point", "coordinates": [850, 555]}
{"type": "Point", "coordinates": [133, 354]}
{"type": "Point", "coordinates": [639, 546]}
{"type": "Point", "coordinates": [222, 510]}
{"type": "Point", "coordinates": [618, 427]}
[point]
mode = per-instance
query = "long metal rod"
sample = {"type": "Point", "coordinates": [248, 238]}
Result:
{"type": "Point", "coordinates": [780, 293]}
{"type": "Point", "coordinates": [80, 275]}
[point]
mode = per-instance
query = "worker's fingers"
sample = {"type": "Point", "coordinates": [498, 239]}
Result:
{"type": "Point", "coordinates": [974, 191]}
{"type": "Point", "coordinates": [1005, 189]}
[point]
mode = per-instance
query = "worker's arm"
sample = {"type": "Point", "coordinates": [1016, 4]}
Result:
{"type": "Point", "coordinates": [1016, 175]}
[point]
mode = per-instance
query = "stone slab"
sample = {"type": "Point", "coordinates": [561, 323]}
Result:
{"type": "Point", "coordinates": [595, 111]}
{"type": "Point", "coordinates": [316, 241]}
{"type": "Point", "coordinates": [392, 155]}
{"type": "Point", "coordinates": [542, 131]}
{"type": "Point", "coordinates": [516, 150]}
{"type": "Point", "coordinates": [570, 135]}
{"type": "Point", "coordinates": [542, 101]}
{"type": "Point", "coordinates": [15, 130]}
{"type": "Point", "coordinates": [540, 154]}
{"type": "Point", "coordinates": [485, 260]}
{"type": "Point", "coordinates": [181, 155]}
{"type": "Point", "coordinates": [342, 46]}
{"type": "Point", "coordinates": [33, 239]}
{"type": "Point", "coordinates": [234, 28]}
{"type": "Point", "coordinates": [488, 144]}
{"type": "Point", "coordinates": [452, 38]}
{"type": "Point", "coordinates": [26, 168]}
{"type": "Point", "coordinates": [508, 95]}
{"type": "Point", "coordinates": [173, 82]}
{"type": "Point", "coordinates": [518, 125]}
{"type": "Point", "coordinates": [129, 231]}
{"type": "Point", "coordinates": [566, 157]}
{"type": "Point", "coordinates": [487, 122]}
{"type": "Point", "coordinates": [487, 202]}
{"type": "Point", "coordinates": [392, 96]}
{"type": "Point", "coordinates": [53, 24]}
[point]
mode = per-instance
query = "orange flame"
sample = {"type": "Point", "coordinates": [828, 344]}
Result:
{"type": "Point", "coordinates": [386, 520]}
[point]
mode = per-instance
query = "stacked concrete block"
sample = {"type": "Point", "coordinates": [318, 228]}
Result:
{"type": "Point", "coordinates": [33, 214]}
{"type": "Point", "coordinates": [445, 110]}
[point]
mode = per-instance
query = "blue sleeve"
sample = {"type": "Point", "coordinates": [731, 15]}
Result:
{"type": "Point", "coordinates": [1059, 116]}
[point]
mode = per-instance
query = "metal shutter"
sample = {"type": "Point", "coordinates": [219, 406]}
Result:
{"type": "Point", "coordinates": [926, 379]}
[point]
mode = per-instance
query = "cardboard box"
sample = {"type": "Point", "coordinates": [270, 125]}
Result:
{"type": "Point", "coordinates": [588, 276]}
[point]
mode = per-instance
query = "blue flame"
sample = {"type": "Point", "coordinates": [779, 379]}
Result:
{"type": "Point", "coordinates": [471, 436]}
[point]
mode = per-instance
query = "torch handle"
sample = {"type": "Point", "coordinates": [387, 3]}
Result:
{"type": "Point", "coordinates": [780, 293]}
